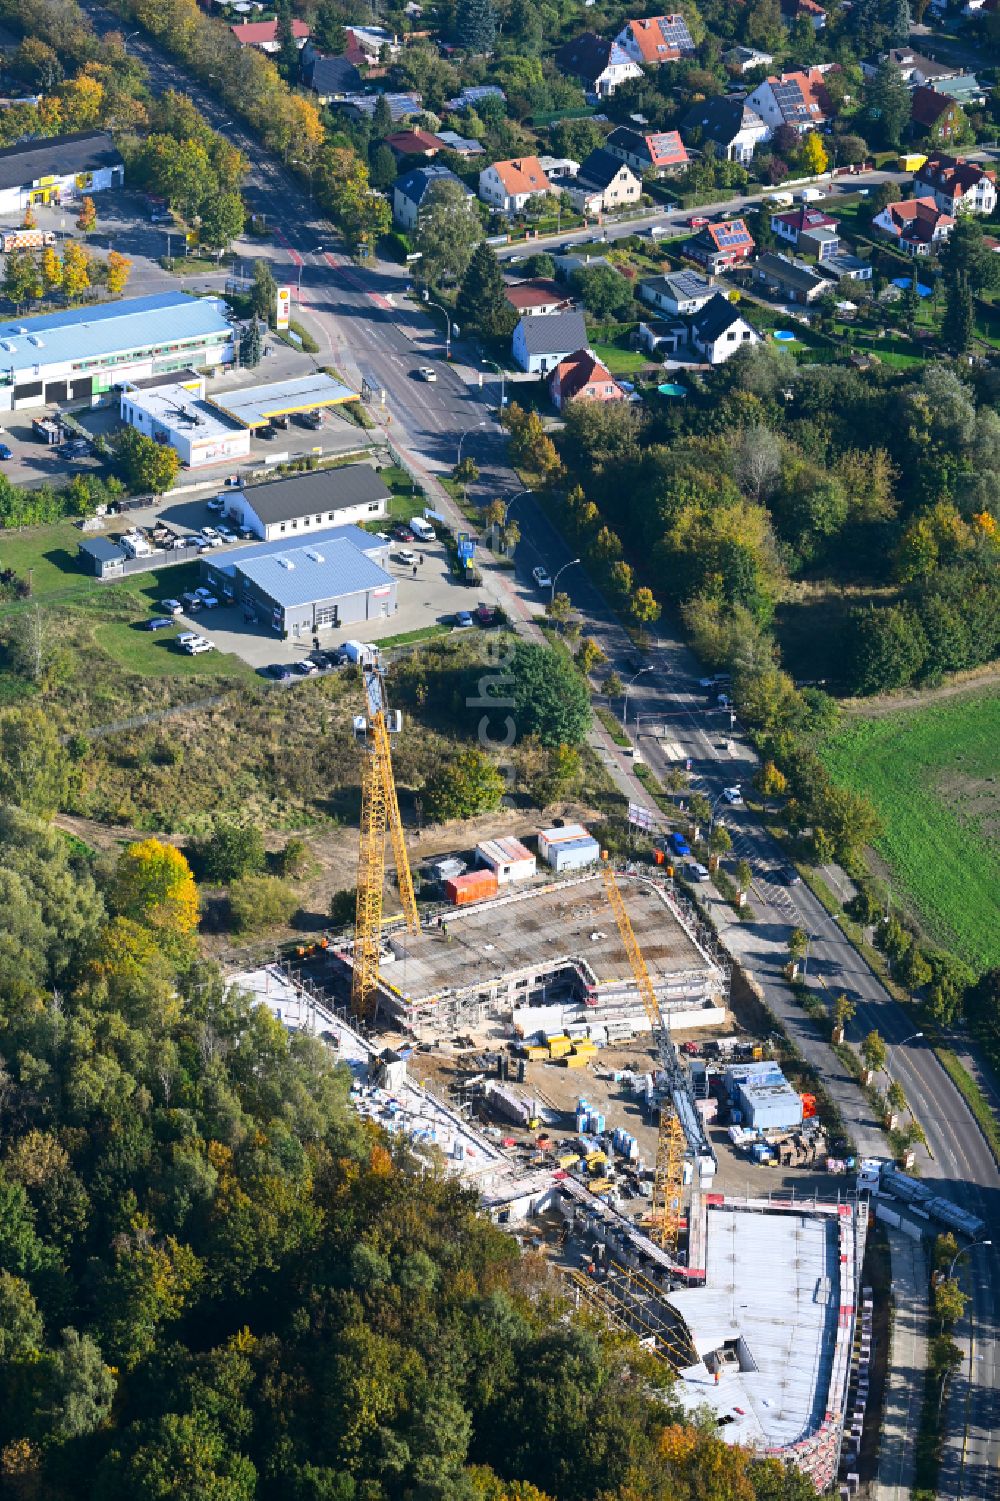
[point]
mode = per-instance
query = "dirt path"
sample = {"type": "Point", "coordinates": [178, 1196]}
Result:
{"type": "Point", "coordinates": [973, 681]}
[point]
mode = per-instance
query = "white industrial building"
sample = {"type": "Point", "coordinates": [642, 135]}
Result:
{"type": "Point", "coordinates": [58, 170]}
{"type": "Point", "coordinates": [509, 860]}
{"type": "Point", "coordinates": [179, 415]}
{"type": "Point", "coordinates": [569, 847]}
{"type": "Point", "coordinates": [344, 495]}
{"type": "Point", "coordinates": [79, 354]}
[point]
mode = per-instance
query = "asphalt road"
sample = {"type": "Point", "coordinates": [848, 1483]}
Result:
{"type": "Point", "coordinates": [366, 329]}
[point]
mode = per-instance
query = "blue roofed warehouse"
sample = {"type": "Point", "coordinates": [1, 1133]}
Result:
{"type": "Point", "coordinates": [298, 588]}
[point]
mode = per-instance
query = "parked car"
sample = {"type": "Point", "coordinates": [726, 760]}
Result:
{"type": "Point", "coordinates": [723, 700]}
{"type": "Point", "coordinates": [159, 623]}
{"type": "Point", "coordinates": [305, 668]}
{"type": "Point", "coordinates": [787, 876]}
{"type": "Point", "coordinates": [209, 533]}
{"type": "Point", "coordinates": [486, 615]}
{"type": "Point", "coordinates": [463, 619]}
{"type": "Point", "coordinates": [402, 533]}
{"type": "Point", "coordinates": [191, 602]}
{"type": "Point", "coordinates": [733, 796]}
{"type": "Point", "coordinates": [246, 535]}
{"type": "Point", "coordinates": [542, 577]}
{"type": "Point", "coordinates": [201, 592]}
{"type": "Point", "coordinates": [280, 671]}
{"type": "Point", "coordinates": [6, 452]}
{"type": "Point", "coordinates": [226, 533]}
{"type": "Point", "coordinates": [678, 844]}
{"type": "Point", "coordinates": [199, 645]}
{"type": "Point", "coordinates": [696, 872]}
{"type": "Point", "coordinates": [217, 504]}
{"type": "Point", "coordinates": [186, 637]}
{"type": "Point", "coordinates": [267, 433]}
{"type": "Point", "coordinates": [405, 555]}
{"type": "Point", "coordinates": [713, 681]}
{"type": "Point", "coordinates": [209, 602]}
{"type": "Point", "coordinates": [171, 607]}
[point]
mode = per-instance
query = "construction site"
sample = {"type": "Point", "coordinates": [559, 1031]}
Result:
{"type": "Point", "coordinates": [474, 1024]}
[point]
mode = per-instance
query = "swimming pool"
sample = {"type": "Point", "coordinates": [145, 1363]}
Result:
{"type": "Point", "coordinates": [670, 388]}
{"type": "Point", "coordinates": [783, 336]}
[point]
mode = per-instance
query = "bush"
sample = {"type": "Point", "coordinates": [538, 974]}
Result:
{"type": "Point", "coordinates": [463, 786]}
{"type": "Point", "coordinates": [259, 902]}
{"type": "Point", "coordinates": [230, 852]}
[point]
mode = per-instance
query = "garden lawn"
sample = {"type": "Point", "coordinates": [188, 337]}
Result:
{"type": "Point", "coordinates": [157, 654]}
{"type": "Point", "coordinates": [50, 553]}
{"type": "Point", "coordinates": [622, 361]}
{"type": "Point", "coordinates": [932, 775]}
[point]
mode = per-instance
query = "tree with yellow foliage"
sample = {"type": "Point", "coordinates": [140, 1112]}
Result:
{"type": "Point", "coordinates": [82, 102]}
{"type": "Point", "coordinates": [52, 272]}
{"type": "Point", "coordinates": [152, 884]}
{"type": "Point", "coordinates": [29, 221]}
{"type": "Point", "coordinates": [75, 270]}
{"type": "Point", "coordinates": [119, 270]}
{"type": "Point", "coordinates": [87, 217]}
{"type": "Point", "coordinates": [814, 155]}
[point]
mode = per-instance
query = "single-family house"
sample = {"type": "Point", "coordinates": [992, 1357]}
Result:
{"type": "Point", "coordinates": [601, 66]}
{"type": "Point", "coordinates": [331, 78]}
{"type": "Point", "coordinates": [539, 344]}
{"type": "Point", "coordinates": [918, 226]}
{"type": "Point", "coordinates": [566, 263]}
{"type": "Point", "coordinates": [410, 191]}
{"type": "Point", "coordinates": [648, 155]}
{"type": "Point", "coordinates": [720, 329]}
{"type": "Point", "coordinates": [956, 185]}
{"type": "Point", "coordinates": [655, 40]}
{"type": "Point", "coordinates": [915, 68]}
{"type": "Point", "coordinates": [935, 114]}
{"type": "Point", "coordinates": [602, 183]}
{"type": "Point", "coordinates": [368, 43]}
{"type": "Point", "coordinates": [790, 280]}
{"type": "Point", "coordinates": [720, 246]}
{"type": "Point", "coordinates": [796, 99]}
{"type": "Point", "coordinates": [264, 35]}
{"type": "Point", "coordinates": [731, 125]}
{"type": "Point", "coordinates": [663, 337]}
{"type": "Point", "coordinates": [404, 143]}
{"type": "Point", "coordinates": [845, 267]}
{"type": "Point", "coordinates": [362, 106]}
{"type": "Point", "coordinates": [582, 377]}
{"type": "Point", "coordinates": [746, 59]}
{"type": "Point", "coordinates": [679, 293]}
{"type": "Point", "coordinates": [508, 186]}
{"type": "Point", "coordinates": [805, 222]}
{"type": "Point", "coordinates": [538, 298]}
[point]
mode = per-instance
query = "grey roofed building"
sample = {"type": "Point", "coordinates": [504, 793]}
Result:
{"type": "Point", "coordinates": [104, 557]}
{"type": "Point", "coordinates": [677, 291]}
{"type": "Point", "coordinates": [727, 122]}
{"type": "Point", "coordinates": [842, 265]}
{"type": "Point", "coordinates": [60, 156]}
{"type": "Point", "coordinates": [567, 264]}
{"type": "Point", "coordinates": [599, 169]}
{"type": "Point", "coordinates": [401, 106]}
{"type": "Point", "coordinates": [323, 567]}
{"type": "Point", "coordinates": [540, 343]}
{"type": "Point", "coordinates": [333, 77]}
{"type": "Point", "coordinates": [714, 318]}
{"type": "Point", "coordinates": [790, 278]}
{"type": "Point", "coordinates": [300, 494]}
{"type": "Point", "coordinates": [410, 190]}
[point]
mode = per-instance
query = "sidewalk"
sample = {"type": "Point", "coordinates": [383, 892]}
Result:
{"type": "Point", "coordinates": [904, 1387]}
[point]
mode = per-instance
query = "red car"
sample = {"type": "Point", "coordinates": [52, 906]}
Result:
{"type": "Point", "coordinates": [698, 222]}
{"type": "Point", "coordinates": [485, 615]}
{"type": "Point", "coordinates": [402, 533]}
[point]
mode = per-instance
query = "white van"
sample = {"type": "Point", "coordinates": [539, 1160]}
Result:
{"type": "Point", "coordinates": [421, 529]}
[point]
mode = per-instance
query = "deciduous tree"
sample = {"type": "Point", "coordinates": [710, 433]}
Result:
{"type": "Point", "coordinates": [145, 464]}
{"type": "Point", "coordinates": [152, 884]}
{"type": "Point", "coordinates": [464, 786]}
{"type": "Point", "coordinates": [448, 230]}
{"type": "Point", "coordinates": [119, 271]}
{"type": "Point", "coordinates": [87, 217]}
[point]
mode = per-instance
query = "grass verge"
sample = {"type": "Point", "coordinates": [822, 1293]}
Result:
{"type": "Point", "coordinates": [409, 638]}
{"type": "Point", "coordinates": [612, 726]}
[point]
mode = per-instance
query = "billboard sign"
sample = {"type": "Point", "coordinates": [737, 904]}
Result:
{"type": "Point", "coordinates": [284, 307]}
{"type": "Point", "coordinates": [641, 817]}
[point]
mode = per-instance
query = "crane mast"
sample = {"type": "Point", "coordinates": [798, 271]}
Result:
{"type": "Point", "coordinates": [668, 1177]}
{"type": "Point", "coordinates": [379, 816]}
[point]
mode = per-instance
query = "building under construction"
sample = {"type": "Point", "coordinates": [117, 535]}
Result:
{"type": "Point", "coordinates": [552, 952]}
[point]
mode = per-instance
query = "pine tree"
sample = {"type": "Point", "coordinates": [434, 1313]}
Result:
{"type": "Point", "coordinates": [381, 119]}
{"type": "Point", "coordinates": [958, 326]}
{"type": "Point", "coordinates": [898, 23]}
{"type": "Point", "coordinates": [251, 344]}
{"type": "Point", "coordinates": [476, 25]}
{"type": "Point", "coordinates": [328, 32]}
{"type": "Point", "coordinates": [481, 300]}
{"type": "Point", "coordinates": [288, 52]}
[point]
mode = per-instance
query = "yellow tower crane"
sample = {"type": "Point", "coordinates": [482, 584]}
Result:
{"type": "Point", "coordinates": [379, 814]}
{"type": "Point", "coordinates": [668, 1178]}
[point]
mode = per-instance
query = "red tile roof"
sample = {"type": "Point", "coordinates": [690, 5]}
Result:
{"type": "Point", "coordinates": [666, 149]}
{"type": "Point", "coordinates": [918, 218]}
{"type": "Point", "coordinates": [533, 294]}
{"type": "Point", "coordinates": [580, 370]}
{"type": "Point", "coordinates": [806, 218]}
{"type": "Point", "coordinates": [952, 175]}
{"type": "Point", "coordinates": [732, 234]}
{"type": "Point", "coordinates": [256, 33]}
{"type": "Point", "coordinates": [523, 175]}
{"type": "Point", "coordinates": [414, 142]}
{"type": "Point", "coordinates": [650, 38]}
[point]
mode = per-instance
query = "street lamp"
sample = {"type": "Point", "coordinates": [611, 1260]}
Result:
{"type": "Point", "coordinates": [500, 371]}
{"type": "Point", "coordinates": [964, 1252]}
{"type": "Point", "coordinates": [914, 1037]}
{"type": "Point", "coordinates": [571, 564]}
{"type": "Point", "coordinates": [474, 428]}
{"type": "Point", "coordinates": [628, 689]}
{"type": "Point", "coordinates": [447, 322]}
{"type": "Point", "coordinates": [513, 500]}
{"type": "Point", "coordinates": [127, 39]}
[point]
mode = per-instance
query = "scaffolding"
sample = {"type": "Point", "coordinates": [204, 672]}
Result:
{"type": "Point", "coordinates": [629, 1301]}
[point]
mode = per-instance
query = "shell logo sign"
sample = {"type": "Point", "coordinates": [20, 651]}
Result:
{"type": "Point", "coordinates": [284, 307]}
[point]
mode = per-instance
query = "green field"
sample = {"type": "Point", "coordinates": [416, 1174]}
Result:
{"type": "Point", "coordinates": [934, 776]}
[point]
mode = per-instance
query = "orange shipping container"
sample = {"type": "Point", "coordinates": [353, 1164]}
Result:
{"type": "Point", "coordinates": [476, 886]}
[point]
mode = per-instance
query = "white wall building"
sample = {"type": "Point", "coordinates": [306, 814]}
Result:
{"type": "Point", "coordinates": [179, 415]}
{"type": "Point", "coordinates": [58, 170]}
{"type": "Point", "coordinates": [285, 508]}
